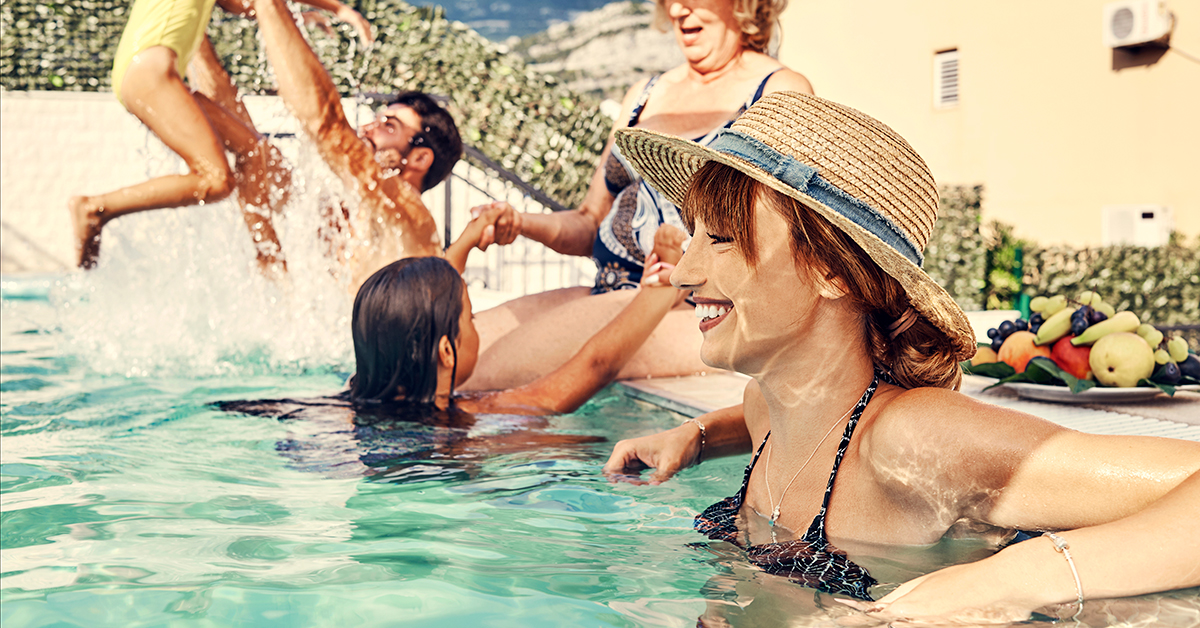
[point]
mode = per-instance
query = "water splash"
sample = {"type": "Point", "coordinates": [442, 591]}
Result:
{"type": "Point", "coordinates": [177, 291]}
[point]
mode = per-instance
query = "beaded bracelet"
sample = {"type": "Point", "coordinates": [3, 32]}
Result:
{"type": "Point", "coordinates": [703, 436]}
{"type": "Point", "coordinates": [1062, 547]}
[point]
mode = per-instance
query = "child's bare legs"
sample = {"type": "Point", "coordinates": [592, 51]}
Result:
{"type": "Point", "coordinates": [262, 176]}
{"type": "Point", "coordinates": [154, 92]}
{"type": "Point", "coordinates": [263, 179]}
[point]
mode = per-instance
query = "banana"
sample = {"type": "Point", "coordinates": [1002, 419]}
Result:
{"type": "Point", "coordinates": [1054, 327]}
{"type": "Point", "coordinates": [1054, 305]}
{"type": "Point", "coordinates": [1037, 304]}
{"type": "Point", "coordinates": [1108, 310]}
{"type": "Point", "coordinates": [1122, 322]}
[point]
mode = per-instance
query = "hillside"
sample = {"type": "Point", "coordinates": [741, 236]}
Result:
{"type": "Point", "coordinates": [603, 52]}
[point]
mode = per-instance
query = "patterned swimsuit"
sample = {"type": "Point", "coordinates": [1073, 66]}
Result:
{"type": "Point", "coordinates": [626, 235]}
{"type": "Point", "coordinates": [810, 560]}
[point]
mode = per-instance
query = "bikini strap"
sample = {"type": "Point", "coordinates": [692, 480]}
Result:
{"type": "Point", "coordinates": [818, 524]}
{"type": "Point", "coordinates": [750, 468]}
{"type": "Point", "coordinates": [761, 88]}
{"type": "Point", "coordinates": [758, 93]}
{"type": "Point", "coordinates": [641, 102]}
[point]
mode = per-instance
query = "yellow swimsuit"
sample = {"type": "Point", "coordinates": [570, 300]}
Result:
{"type": "Point", "coordinates": [176, 24]}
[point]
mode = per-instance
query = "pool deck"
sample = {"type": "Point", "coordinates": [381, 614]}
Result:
{"type": "Point", "coordinates": [1174, 417]}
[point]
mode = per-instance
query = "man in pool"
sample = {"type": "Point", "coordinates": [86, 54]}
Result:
{"type": "Point", "coordinates": [410, 147]}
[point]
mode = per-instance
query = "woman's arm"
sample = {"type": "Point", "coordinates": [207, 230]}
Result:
{"type": "Point", "coordinates": [568, 232]}
{"type": "Point", "coordinates": [1130, 505]}
{"type": "Point", "coordinates": [601, 358]}
{"type": "Point", "coordinates": [676, 449]}
{"type": "Point", "coordinates": [726, 433]}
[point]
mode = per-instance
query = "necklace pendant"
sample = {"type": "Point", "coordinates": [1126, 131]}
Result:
{"type": "Point", "coordinates": [774, 516]}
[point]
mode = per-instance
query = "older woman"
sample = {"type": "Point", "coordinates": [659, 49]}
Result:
{"type": "Point", "coordinates": [809, 220]}
{"type": "Point", "coordinates": [727, 69]}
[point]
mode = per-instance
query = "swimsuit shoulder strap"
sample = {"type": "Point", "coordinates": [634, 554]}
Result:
{"type": "Point", "coordinates": [641, 102]}
{"type": "Point", "coordinates": [750, 467]}
{"type": "Point", "coordinates": [761, 88]}
{"type": "Point", "coordinates": [818, 524]}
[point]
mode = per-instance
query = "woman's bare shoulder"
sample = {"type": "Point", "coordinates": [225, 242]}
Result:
{"type": "Point", "coordinates": [788, 80]}
{"type": "Point", "coordinates": [947, 422]}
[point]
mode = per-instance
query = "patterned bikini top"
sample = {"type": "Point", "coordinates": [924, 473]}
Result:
{"type": "Point", "coordinates": [626, 235]}
{"type": "Point", "coordinates": [809, 560]}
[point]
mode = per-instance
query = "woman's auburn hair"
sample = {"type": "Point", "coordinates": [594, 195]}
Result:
{"type": "Point", "coordinates": [724, 200]}
{"type": "Point", "coordinates": [756, 18]}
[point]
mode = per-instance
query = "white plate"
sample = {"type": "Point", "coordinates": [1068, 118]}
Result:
{"type": "Point", "coordinates": [1062, 394]}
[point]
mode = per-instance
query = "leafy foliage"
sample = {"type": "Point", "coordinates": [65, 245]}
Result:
{"type": "Point", "coordinates": [956, 256]}
{"type": "Point", "coordinates": [1160, 284]}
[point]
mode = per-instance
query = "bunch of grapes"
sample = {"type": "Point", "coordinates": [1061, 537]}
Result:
{"type": "Point", "coordinates": [1172, 356]}
{"type": "Point", "coordinates": [1085, 317]}
{"type": "Point", "coordinates": [1006, 329]}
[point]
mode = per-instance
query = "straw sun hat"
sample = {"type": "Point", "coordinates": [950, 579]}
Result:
{"type": "Point", "coordinates": [850, 168]}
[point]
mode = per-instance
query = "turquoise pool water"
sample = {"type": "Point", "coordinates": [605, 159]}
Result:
{"type": "Point", "coordinates": [129, 500]}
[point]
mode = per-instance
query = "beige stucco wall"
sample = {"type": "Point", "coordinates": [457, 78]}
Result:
{"type": "Point", "coordinates": [1045, 123]}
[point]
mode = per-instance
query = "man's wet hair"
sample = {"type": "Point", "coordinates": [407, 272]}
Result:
{"type": "Point", "coordinates": [439, 134]}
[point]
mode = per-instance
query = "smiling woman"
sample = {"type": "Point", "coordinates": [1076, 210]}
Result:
{"type": "Point", "coordinates": [809, 223]}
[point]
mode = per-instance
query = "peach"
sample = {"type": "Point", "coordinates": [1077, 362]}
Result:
{"type": "Point", "coordinates": [1070, 358]}
{"type": "Point", "coordinates": [1018, 349]}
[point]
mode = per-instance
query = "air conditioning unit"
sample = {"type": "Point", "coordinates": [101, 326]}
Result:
{"type": "Point", "coordinates": [1139, 225]}
{"type": "Point", "coordinates": [1136, 22]}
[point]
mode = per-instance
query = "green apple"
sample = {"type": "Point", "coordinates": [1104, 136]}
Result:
{"type": "Point", "coordinates": [1121, 359]}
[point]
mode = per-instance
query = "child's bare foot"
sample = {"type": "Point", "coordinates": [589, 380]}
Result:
{"type": "Point", "coordinates": [668, 243]}
{"type": "Point", "coordinates": [87, 224]}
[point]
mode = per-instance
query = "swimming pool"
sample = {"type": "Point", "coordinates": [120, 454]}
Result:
{"type": "Point", "coordinates": [129, 500]}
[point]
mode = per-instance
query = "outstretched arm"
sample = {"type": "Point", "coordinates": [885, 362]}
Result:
{"type": "Point", "coordinates": [1127, 506]}
{"type": "Point", "coordinates": [601, 358]}
{"type": "Point", "coordinates": [568, 232]}
{"type": "Point", "coordinates": [457, 252]}
{"type": "Point", "coordinates": [308, 91]}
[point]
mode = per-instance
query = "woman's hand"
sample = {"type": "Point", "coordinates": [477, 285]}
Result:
{"type": "Point", "coordinates": [668, 243]}
{"type": "Point", "coordinates": [666, 452]}
{"type": "Point", "coordinates": [990, 591]}
{"type": "Point", "coordinates": [505, 227]}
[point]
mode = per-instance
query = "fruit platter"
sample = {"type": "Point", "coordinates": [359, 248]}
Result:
{"type": "Point", "coordinates": [1084, 351]}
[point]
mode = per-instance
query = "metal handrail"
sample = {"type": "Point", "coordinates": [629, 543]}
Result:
{"type": "Point", "coordinates": [511, 177]}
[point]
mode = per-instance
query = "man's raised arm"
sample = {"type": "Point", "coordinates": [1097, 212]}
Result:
{"type": "Point", "coordinates": [310, 94]}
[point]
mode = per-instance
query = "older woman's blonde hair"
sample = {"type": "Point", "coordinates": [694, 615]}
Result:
{"type": "Point", "coordinates": [758, 20]}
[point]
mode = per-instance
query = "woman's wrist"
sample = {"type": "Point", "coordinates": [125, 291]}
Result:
{"type": "Point", "coordinates": [1040, 574]}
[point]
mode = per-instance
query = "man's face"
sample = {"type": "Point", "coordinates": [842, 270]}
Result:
{"type": "Point", "coordinates": [391, 134]}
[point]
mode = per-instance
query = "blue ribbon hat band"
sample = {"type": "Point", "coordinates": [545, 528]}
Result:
{"type": "Point", "coordinates": [804, 178]}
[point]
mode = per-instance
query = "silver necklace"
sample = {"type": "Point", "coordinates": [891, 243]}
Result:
{"type": "Point", "coordinates": [767, 473]}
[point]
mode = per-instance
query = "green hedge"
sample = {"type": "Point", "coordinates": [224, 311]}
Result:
{"type": "Point", "coordinates": [546, 134]}
{"type": "Point", "coordinates": [956, 257]}
{"type": "Point", "coordinates": [1161, 284]}
{"type": "Point", "coordinates": [985, 266]}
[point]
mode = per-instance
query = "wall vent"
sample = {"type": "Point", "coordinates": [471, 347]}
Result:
{"type": "Point", "coordinates": [945, 79]}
